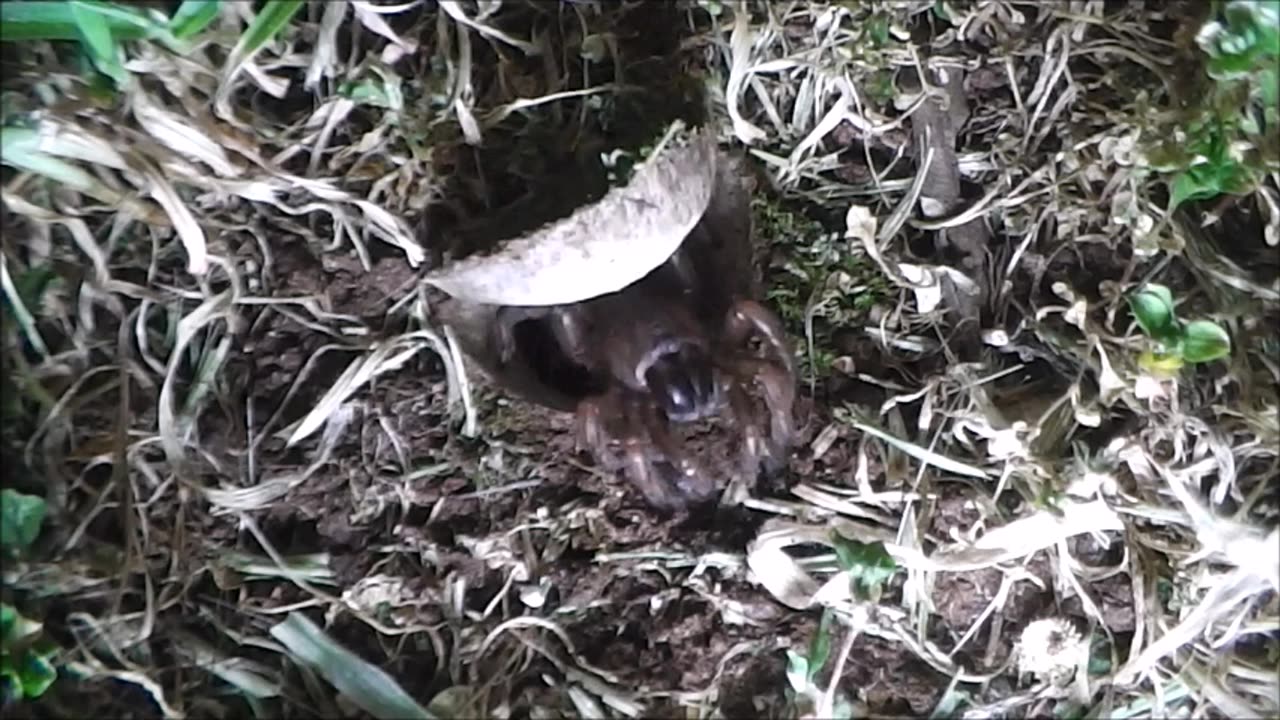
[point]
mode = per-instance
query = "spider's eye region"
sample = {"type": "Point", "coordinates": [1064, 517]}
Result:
{"type": "Point", "coordinates": [681, 383]}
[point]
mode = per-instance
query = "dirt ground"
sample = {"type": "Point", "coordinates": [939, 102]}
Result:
{"type": "Point", "coordinates": [424, 527]}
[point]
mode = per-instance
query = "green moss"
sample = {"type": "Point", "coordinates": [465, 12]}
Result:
{"type": "Point", "coordinates": [815, 272]}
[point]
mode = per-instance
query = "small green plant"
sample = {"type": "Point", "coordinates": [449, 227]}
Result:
{"type": "Point", "coordinates": [26, 655]}
{"type": "Point", "coordinates": [803, 669]}
{"type": "Point", "coordinates": [869, 566]}
{"type": "Point", "coordinates": [21, 516]}
{"type": "Point", "coordinates": [1245, 41]}
{"type": "Point", "coordinates": [1218, 170]}
{"type": "Point", "coordinates": [1176, 342]}
{"type": "Point", "coordinates": [1231, 136]}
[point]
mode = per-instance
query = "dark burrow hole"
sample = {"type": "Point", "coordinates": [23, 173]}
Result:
{"type": "Point", "coordinates": [536, 346]}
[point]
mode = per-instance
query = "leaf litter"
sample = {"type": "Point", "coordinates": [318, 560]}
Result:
{"type": "Point", "coordinates": [314, 516]}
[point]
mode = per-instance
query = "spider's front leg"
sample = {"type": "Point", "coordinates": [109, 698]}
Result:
{"type": "Point", "coordinates": [566, 323]}
{"type": "Point", "coordinates": [747, 318]}
{"type": "Point", "coordinates": [774, 373]}
{"type": "Point", "coordinates": [645, 443]}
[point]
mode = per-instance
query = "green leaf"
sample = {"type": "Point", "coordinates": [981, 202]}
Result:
{"type": "Point", "coordinates": [1099, 656]}
{"type": "Point", "coordinates": [192, 16]}
{"type": "Point", "coordinates": [20, 148]}
{"type": "Point", "coordinates": [1248, 38]}
{"type": "Point", "coordinates": [8, 624]}
{"type": "Point", "coordinates": [879, 30]}
{"type": "Point", "coordinates": [820, 646]}
{"type": "Point", "coordinates": [275, 16]}
{"type": "Point", "coordinates": [20, 519]}
{"type": "Point", "coordinates": [797, 671]}
{"type": "Point", "coordinates": [1152, 307]}
{"type": "Point", "coordinates": [25, 666]}
{"type": "Point", "coordinates": [869, 565]}
{"type": "Point", "coordinates": [30, 286]}
{"type": "Point", "coordinates": [61, 20]}
{"type": "Point", "coordinates": [36, 674]}
{"type": "Point", "coordinates": [95, 34]}
{"type": "Point", "coordinates": [1210, 179]}
{"type": "Point", "coordinates": [10, 683]}
{"type": "Point", "coordinates": [1186, 188]}
{"type": "Point", "coordinates": [366, 685]}
{"type": "Point", "coordinates": [951, 703]}
{"type": "Point", "coordinates": [1209, 167]}
{"type": "Point", "coordinates": [1204, 341]}
{"type": "Point", "coordinates": [366, 92]}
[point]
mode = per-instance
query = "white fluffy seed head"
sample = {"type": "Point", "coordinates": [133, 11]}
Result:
{"type": "Point", "coordinates": [1051, 649]}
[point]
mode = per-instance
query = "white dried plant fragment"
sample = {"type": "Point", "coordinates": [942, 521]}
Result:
{"type": "Point", "coordinates": [1051, 649]}
{"type": "Point", "coordinates": [602, 247]}
{"type": "Point", "coordinates": [1009, 443]}
{"type": "Point", "coordinates": [1270, 206]}
{"type": "Point", "coordinates": [376, 591]}
{"type": "Point", "coordinates": [927, 290]}
{"type": "Point", "coordinates": [1110, 385]}
{"type": "Point", "coordinates": [1151, 388]}
{"type": "Point", "coordinates": [1122, 150]}
{"type": "Point", "coordinates": [860, 224]}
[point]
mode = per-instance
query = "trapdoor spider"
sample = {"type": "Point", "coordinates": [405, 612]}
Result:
{"type": "Point", "coordinates": [673, 347]}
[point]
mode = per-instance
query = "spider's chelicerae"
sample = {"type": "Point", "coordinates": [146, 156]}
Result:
{"type": "Point", "coordinates": [674, 347]}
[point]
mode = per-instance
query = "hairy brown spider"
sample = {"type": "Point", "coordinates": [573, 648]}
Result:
{"type": "Point", "coordinates": [669, 348]}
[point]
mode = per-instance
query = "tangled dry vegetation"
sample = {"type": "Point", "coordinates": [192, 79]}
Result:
{"type": "Point", "coordinates": [271, 485]}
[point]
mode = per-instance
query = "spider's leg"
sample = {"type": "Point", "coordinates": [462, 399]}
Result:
{"type": "Point", "coordinates": [571, 329]}
{"type": "Point", "coordinates": [754, 448]}
{"type": "Point", "coordinates": [691, 480]}
{"type": "Point", "coordinates": [748, 317]}
{"type": "Point", "coordinates": [775, 373]}
{"type": "Point", "coordinates": [779, 396]}
{"type": "Point", "coordinates": [595, 414]}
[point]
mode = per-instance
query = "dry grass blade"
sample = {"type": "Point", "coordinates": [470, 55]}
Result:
{"type": "Point", "coordinates": [366, 685]}
{"type": "Point", "coordinates": [384, 357]}
{"type": "Point", "coordinates": [923, 454]}
{"type": "Point", "coordinates": [172, 425]}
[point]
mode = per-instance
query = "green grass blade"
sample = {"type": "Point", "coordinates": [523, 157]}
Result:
{"type": "Point", "coordinates": [16, 311]}
{"type": "Point", "coordinates": [193, 16]}
{"type": "Point", "coordinates": [28, 21]}
{"type": "Point", "coordinates": [59, 20]}
{"type": "Point", "coordinates": [95, 33]}
{"type": "Point", "coordinates": [275, 15]}
{"type": "Point", "coordinates": [366, 685]}
{"type": "Point", "coordinates": [19, 149]}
